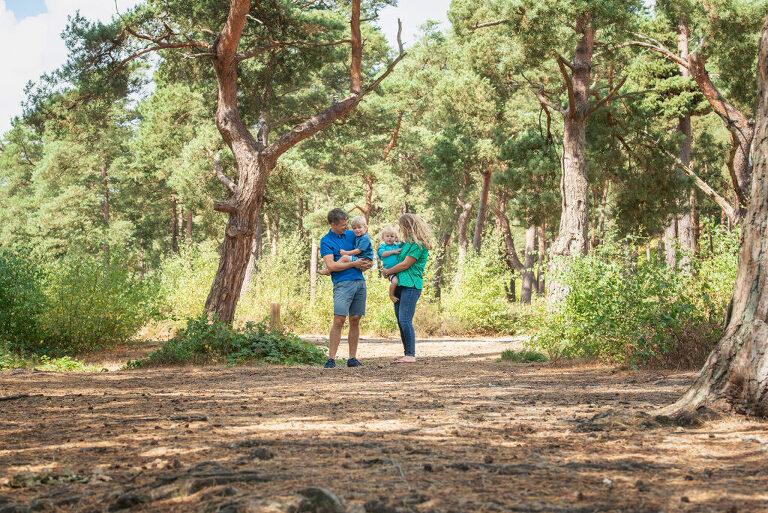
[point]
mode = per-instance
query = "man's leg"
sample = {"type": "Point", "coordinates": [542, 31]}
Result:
{"type": "Point", "coordinates": [335, 336]}
{"type": "Point", "coordinates": [354, 334]}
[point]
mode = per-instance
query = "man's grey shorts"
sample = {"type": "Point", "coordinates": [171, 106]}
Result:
{"type": "Point", "coordinates": [349, 297]}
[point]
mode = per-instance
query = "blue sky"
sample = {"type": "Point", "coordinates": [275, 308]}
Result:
{"type": "Point", "coordinates": [26, 8]}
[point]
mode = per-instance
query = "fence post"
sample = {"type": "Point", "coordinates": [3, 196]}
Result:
{"type": "Point", "coordinates": [274, 315]}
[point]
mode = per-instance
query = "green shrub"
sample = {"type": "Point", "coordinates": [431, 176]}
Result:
{"type": "Point", "coordinates": [92, 302]}
{"type": "Point", "coordinates": [523, 356]}
{"type": "Point", "coordinates": [623, 310]}
{"type": "Point", "coordinates": [185, 280]}
{"type": "Point", "coordinates": [22, 300]}
{"type": "Point", "coordinates": [477, 296]}
{"type": "Point", "coordinates": [14, 360]}
{"type": "Point", "coordinates": [203, 342]}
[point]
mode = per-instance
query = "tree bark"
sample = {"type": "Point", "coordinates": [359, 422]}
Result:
{"type": "Point", "coordinates": [737, 370]}
{"type": "Point", "coordinates": [541, 281]}
{"type": "Point", "coordinates": [686, 237]}
{"type": "Point", "coordinates": [189, 227]}
{"type": "Point", "coordinates": [463, 221]}
{"type": "Point", "coordinates": [477, 240]}
{"type": "Point", "coordinates": [255, 160]}
{"type": "Point", "coordinates": [105, 201]}
{"type": "Point", "coordinates": [174, 227]}
{"type": "Point", "coordinates": [442, 252]}
{"type": "Point", "coordinates": [526, 292]}
{"type": "Point", "coordinates": [574, 220]}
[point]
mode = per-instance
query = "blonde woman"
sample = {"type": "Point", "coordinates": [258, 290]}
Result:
{"type": "Point", "coordinates": [417, 241]}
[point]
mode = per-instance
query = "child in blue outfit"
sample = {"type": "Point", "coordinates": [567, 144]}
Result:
{"type": "Point", "coordinates": [363, 247]}
{"type": "Point", "coordinates": [388, 251]}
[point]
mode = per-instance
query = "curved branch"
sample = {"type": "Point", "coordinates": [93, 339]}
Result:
{"type": "Point", "coordinates": [607, 98]}
{"type": "Point", "coordinates": [186, 44]}
{"type": "Point", "coordinates": [489, 24]}
{"type": "Point", "coordinates": [280, 44]}
{"type": "Point", "coordinates": [656, 48]}
{"type": "Point", "coordinates": [219, 172]}
{"type": "Point", "coordinates": [568, 83]}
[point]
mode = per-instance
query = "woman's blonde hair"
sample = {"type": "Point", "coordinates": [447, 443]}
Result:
{"type": "Point", "coordinates": [387, 230]}
{"type": "Point", "coordinates": [357, 221]}
{"type": "Point", "coordinates": [413, 228]}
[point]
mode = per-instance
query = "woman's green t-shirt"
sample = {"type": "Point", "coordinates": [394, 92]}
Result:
{"type": "Point", "coordinates": [414, 275]}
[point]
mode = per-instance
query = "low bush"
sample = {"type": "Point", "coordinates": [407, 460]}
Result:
{"type": "Point", "coordinates": [15, 360]}
{"type": "Point", "coordinates": [22, 300]}
{"type": "Point", "coordinates": [92, 302]}
{"type": "Point", "coordinates": [522, 356]}
{"type": "Point", "coordinates": [621, 309]}
{"type": "Point", "coordinates": [203, 342]}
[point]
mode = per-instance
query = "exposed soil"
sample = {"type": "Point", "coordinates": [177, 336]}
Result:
{"type": "Point", "coordinates": [458, 431]}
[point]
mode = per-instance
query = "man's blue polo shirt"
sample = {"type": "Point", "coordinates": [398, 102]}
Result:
{"type": "Point", "coordinates": [332, 244]}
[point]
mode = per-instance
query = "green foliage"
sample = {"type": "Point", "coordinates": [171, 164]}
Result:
{"type": "Point", "coordinates": [22, 300]}
{"type": "Point", "coordinates": [204, 342]}
{"type": "Point", "coordinates": [522, 356]}
{"type": "Point", "coordinates": [184, 282]}
{"type": "Point", "coordinates": [13, 360]}
{"type": "Point", "coordinates": [93, 302]}
{"type": "Point", "coordinates": [477, 298]}
{"type": "Point", "coordinates": [623, 310]}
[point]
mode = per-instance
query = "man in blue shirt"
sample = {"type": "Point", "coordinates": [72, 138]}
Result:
{"type": "Point", "coordinates": [349, 291]}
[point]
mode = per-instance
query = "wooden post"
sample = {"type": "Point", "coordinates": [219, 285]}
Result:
{"type": "Point", "coordinates": [274, 315]}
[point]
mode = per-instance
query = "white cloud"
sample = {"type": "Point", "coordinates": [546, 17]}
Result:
{"type": "Point", "coordinates": [36, 46]}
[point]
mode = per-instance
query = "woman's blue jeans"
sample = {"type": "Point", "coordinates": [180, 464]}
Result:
{"type": "Point", "coordinates": [404, 310]}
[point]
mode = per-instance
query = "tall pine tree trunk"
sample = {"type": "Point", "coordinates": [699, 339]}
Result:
{"type": "Point", "coordinates": [737, 370]}
{"type": "Point", "coordinates": [526, 292]}
{"type": "Point", "coordinates": [574, 219]}
{"type": "Point", "coordinates": [442, 252]}
{"type": "Point", "coordinates": [463, 221]}
{"type": "Point", "coordinates": [477, 241]}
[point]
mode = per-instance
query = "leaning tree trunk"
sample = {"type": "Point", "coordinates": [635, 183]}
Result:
{"type": "Point", "coordinates": [255, 159]}
{"type": "Point", "coordinates": [737, 370]}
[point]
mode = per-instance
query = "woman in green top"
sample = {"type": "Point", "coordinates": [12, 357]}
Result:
{"type": "Point", "coordinates": [417, 241]}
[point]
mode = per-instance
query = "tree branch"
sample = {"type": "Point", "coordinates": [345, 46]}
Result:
{"type": "Point", "coordinates": [219, 172]}
{"type": "Point", "coordinates": [656, 48]}
{"type": "Point", "coordinates": [186, 44]}
{"type": "Point", "coordinates": [395, 134]}
{"type": "Point", "coordinates": [280, 44]}
{"type": "Point", "coordinates": [489, 24]}
{"type": "Point", "coordinates": [568, 84]}
{"type": "Point", "coordinates": [607, 98]}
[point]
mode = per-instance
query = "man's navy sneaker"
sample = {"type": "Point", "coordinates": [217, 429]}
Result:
{"type": "Point", "coordinates": [330, 364]}
{"type": "Point", "coordinates": [352, 362]}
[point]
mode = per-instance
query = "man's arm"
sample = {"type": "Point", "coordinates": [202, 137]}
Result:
{"type": "Point", "coordinates": [350, 252]}
{"type": "Point", "coordinates": [334, 267]}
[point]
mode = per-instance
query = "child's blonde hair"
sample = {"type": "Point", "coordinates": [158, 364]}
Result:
{"type": "Point", "coordinates": [413, 228]}
{"type": "Point", "coordinates": [388, 230]}
{"type": "Point", "coordinates": [358, 221]}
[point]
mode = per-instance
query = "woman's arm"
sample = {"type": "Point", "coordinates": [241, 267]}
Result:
{"type": "Point", "coordinates": [385, 254]}
{"type": "Point", "coordinates": [402, 266]}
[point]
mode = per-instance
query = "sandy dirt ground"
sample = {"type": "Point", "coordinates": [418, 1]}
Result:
{"type": "Point", "coordinates": [458, 431]}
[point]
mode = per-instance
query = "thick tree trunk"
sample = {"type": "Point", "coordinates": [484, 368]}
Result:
{"type": "Point", "coordinates": [574, 219]}
{"type": "Point", "coordinates": [477, 241]}
{"type": "Point", "coordinates": [686, 236]}
{"type": "Point", "coordinates": [737, 370]}
{"type": "Point", "coordinates": [463, 221]}
{"type": "Point", "coordinates": [528, 276]}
